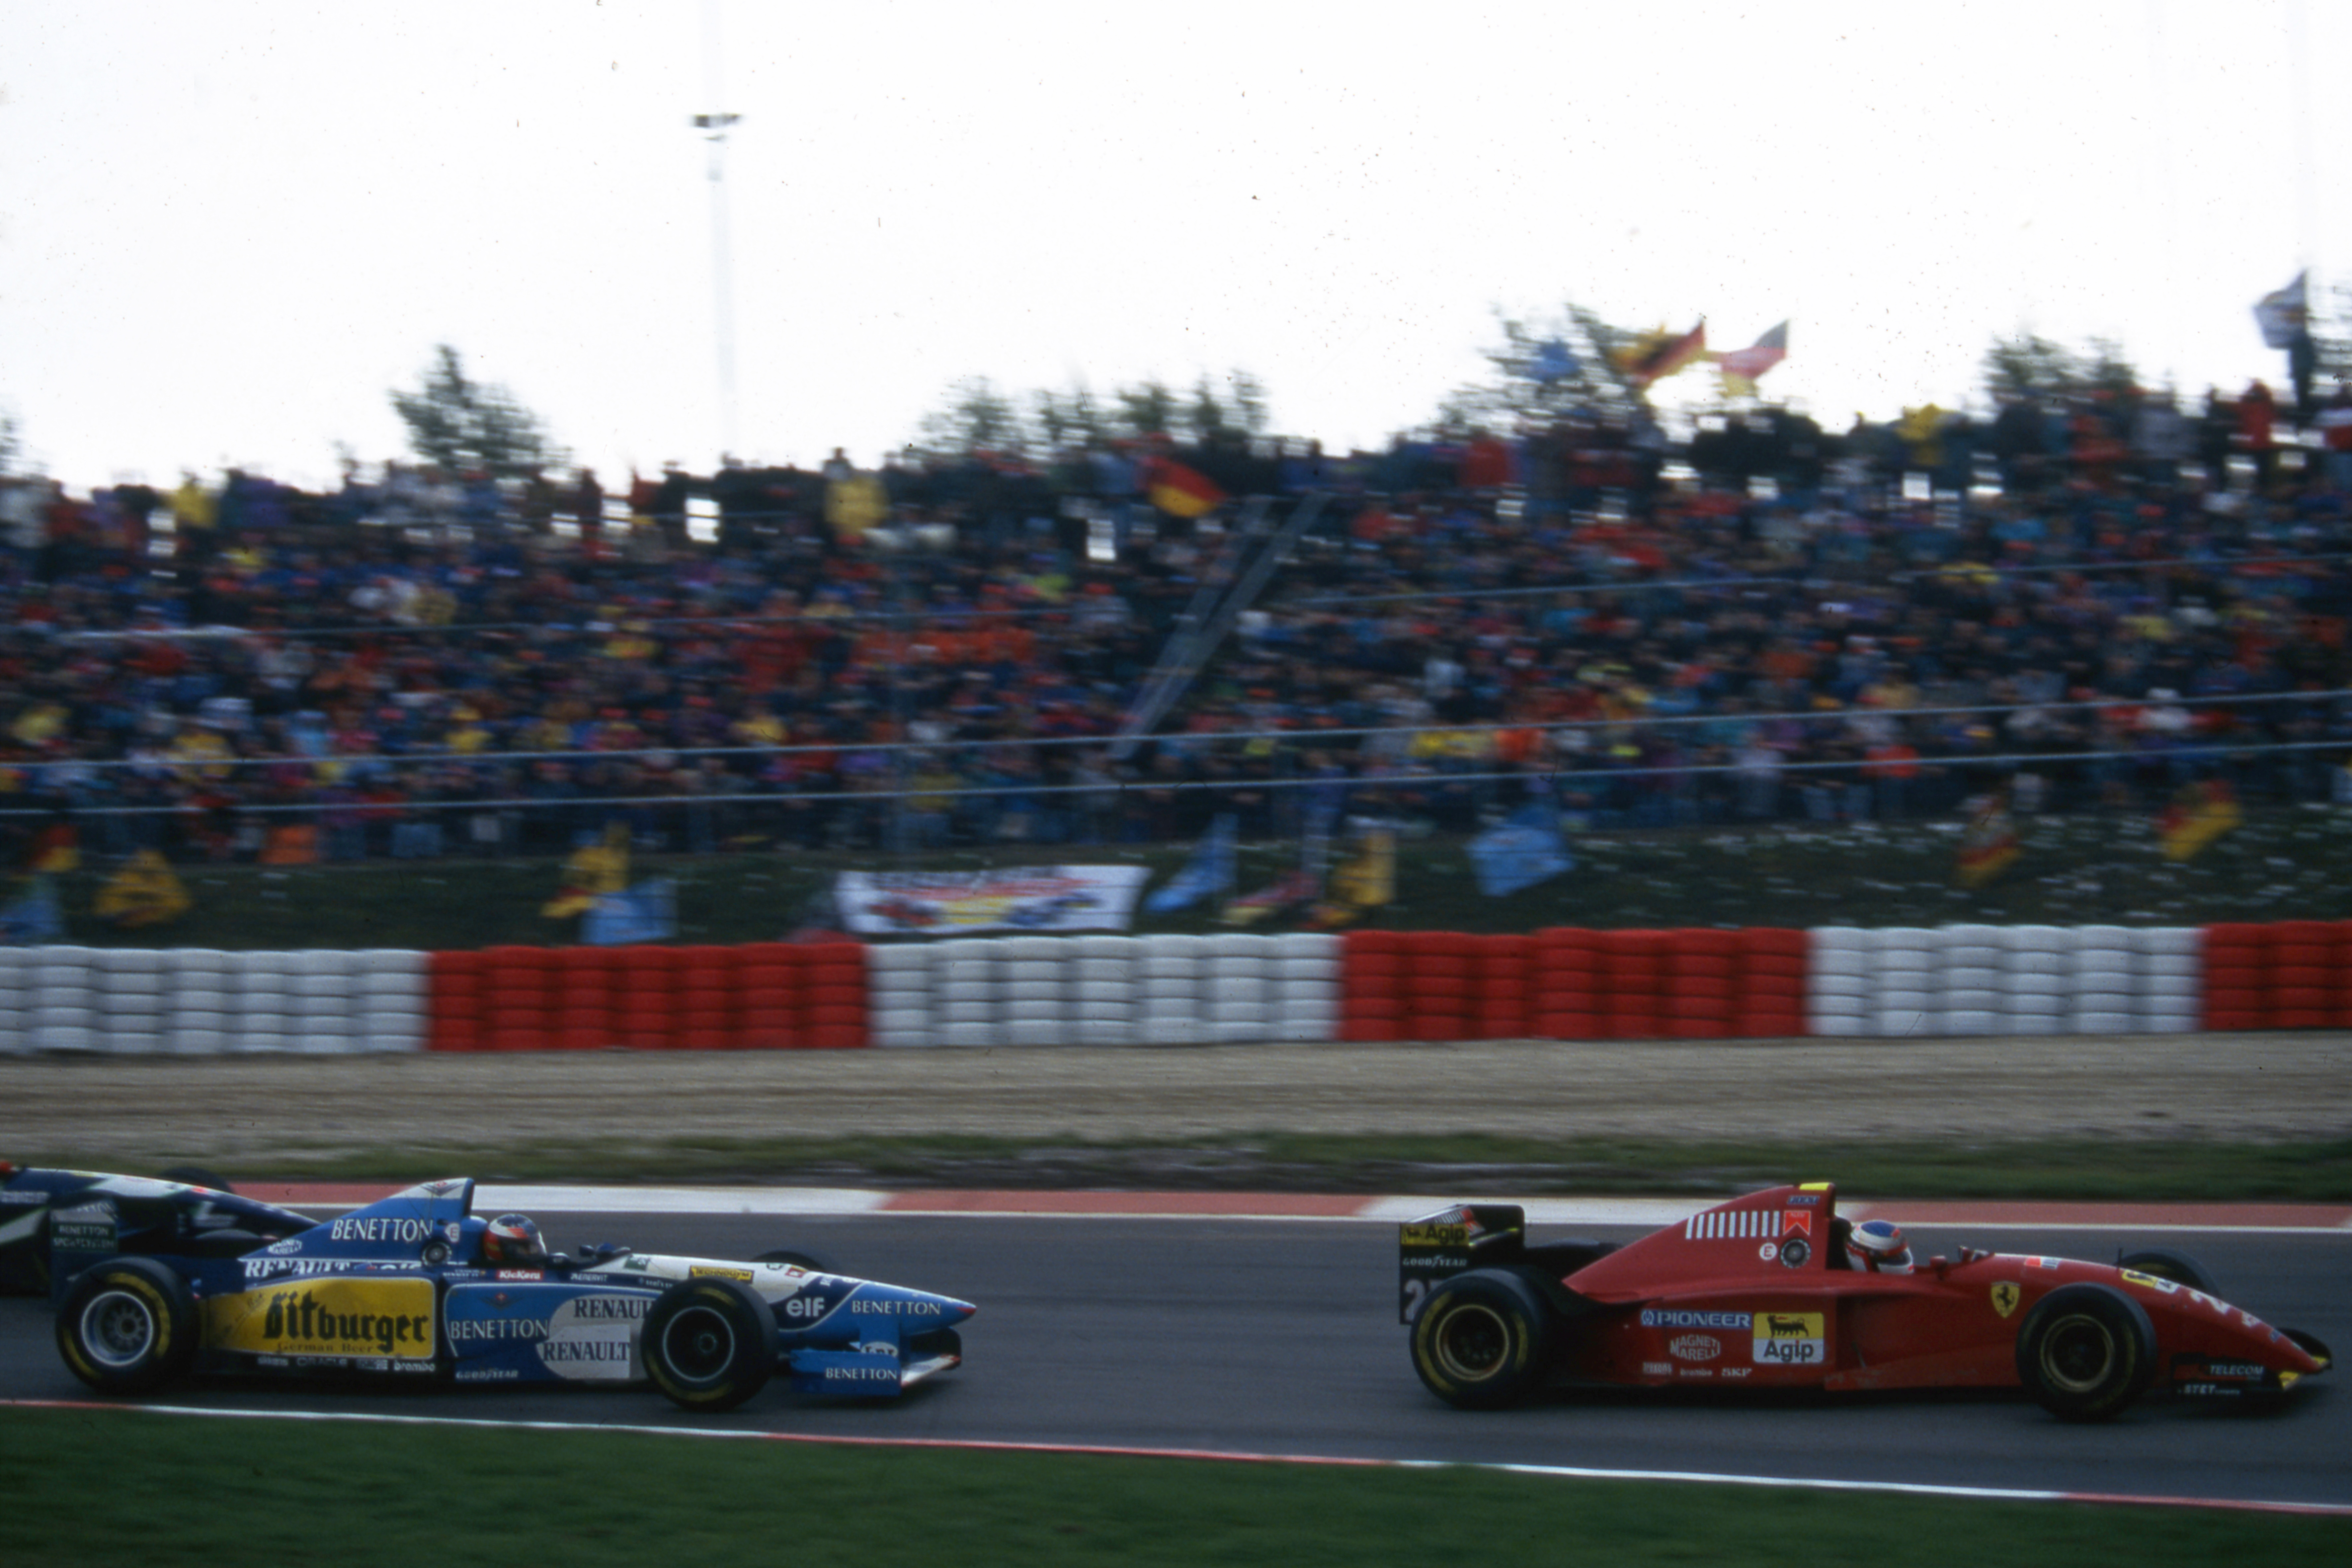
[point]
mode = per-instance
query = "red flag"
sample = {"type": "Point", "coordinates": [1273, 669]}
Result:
{"type": "Point", "coordinates": [1181, 492]}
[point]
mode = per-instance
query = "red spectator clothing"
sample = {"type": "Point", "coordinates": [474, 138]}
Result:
{"type": "Point", "coordinates": [2335, 423]}
{"type": "Point", "coordinates": [1485, 465]}
{"type": "Point", "coordinates": [771, 657]}
{"type": "Point", "coordinates": [2254, 412]}
{"type": "Point", "coordinates": [1897, 761]}
{"type": "Point", "coordinates": [158, 657]}
{"type": "Point", "coordinates": [1516, 745]}
{"type": "Point", "coordinates": [1785, 662]}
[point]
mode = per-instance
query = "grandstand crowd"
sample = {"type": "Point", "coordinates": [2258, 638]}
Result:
{"type": "Point", "coordinates": [2089, 601]}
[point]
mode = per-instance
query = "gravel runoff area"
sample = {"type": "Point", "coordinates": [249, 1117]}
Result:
{"type": "Point", "coordinates": [246, 1110]}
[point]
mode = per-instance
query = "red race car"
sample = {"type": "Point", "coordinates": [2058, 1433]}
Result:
{"type": "Point", "coordinates": [1774, 1291]}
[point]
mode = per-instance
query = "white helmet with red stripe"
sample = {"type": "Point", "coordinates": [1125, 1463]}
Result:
{"type": "Point", "coordinates": [1876, 1247]}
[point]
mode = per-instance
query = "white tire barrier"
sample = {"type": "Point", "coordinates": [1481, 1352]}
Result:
{"type": "Point", "coordinates": [204, 1002]}
{"type": "Point", "coordinates": [1967, 980]}
{"type": "Point", "coordinates": [1963, 980]}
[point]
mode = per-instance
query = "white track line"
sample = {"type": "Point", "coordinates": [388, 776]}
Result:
{"type": "Point", "coordinates": [1567, 1472]}
{"type": "Point", "coordinates": [678, 1200]}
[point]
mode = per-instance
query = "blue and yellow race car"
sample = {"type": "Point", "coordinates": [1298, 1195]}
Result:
{"type": "Point", "coordinates": [417, 1286]}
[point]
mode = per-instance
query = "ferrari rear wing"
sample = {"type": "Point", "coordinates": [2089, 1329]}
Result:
{"type": "Point", "coordinates": [1452, 1241]}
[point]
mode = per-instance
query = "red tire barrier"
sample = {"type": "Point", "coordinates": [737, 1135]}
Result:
{"type": "Point", "coordinates": [2237, 976]}
{"type": "Point", "coordinates": [454, 1001]}
{"type": "Point", "coordinates": [1372, 983]}
{"type": "Point", "coordinates": [1563, 985]}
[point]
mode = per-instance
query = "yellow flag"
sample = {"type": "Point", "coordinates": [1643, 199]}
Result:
{"type": "Point", "coordinates": [1364, 881]}
{"type": "Point", "coordinates": [2199, 815]}
{"type": "Point", "coordinates": [145, 892]}
{"type": "Point", "coordinates": [855, 504]}
{"type": "Point", "coordinates": [592, 872]}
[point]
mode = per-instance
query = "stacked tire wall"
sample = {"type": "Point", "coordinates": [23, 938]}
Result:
{"type": "Point", "coordinates": [204, 1002]}
{"type": "Point", "coordinates": [1564, 983]}
{"type": "Point", "coordinates": [1432, 987]}
{"type": "Point", "coordinates": [762, 996]}
{"type": "Point", "coordinates": [1106, 990]}
{"type": "Point", "coordinates": [1962, 980]}
{"type": "Point", "coordinates": [2287, 976]}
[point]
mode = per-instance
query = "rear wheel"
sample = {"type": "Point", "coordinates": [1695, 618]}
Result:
{"type": "Point", "coordinates": [2177, 1266]}
{"type": "Point", "coordinates": [1481, 1341]}
{"type": "Point", "coordinates": [128, 1325]}
{"type": "Point", "coordinates": [710, 1344]}
{"type": "Point", "coordinates": [2086, 1351]}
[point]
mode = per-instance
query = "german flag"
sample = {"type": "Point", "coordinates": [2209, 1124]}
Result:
{"type": "Point", "coordinates": [1989, 843]}
{"type": "Point", "coordinates": [1657, 355]}
{"type": "Point", "coordinates": [1180, 492]}
{"type": "Point", "coordinates": [57, 847]}
{"type": "Point", "coordinates": [2199, 814]}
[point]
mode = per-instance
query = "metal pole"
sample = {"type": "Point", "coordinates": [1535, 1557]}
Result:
{"type": "Point", "coordinates": [714, 127]}
{"type": "Point", "coordinates": [722, 309]}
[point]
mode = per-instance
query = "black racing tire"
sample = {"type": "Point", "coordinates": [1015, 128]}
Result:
{"type": "Point", "coordinates": [128, 1325]}
{"type": "Point", "coordinates": [194, 1176]}
{"type": "Point", "coordinates": [710, 1344]}
{"type": "Point", "coordinates": [798, 1259]}
{"type": "Point", "coordinates": [2086, 1350]}
{"type": "Point", "coordinates": [1483, 1340]}
{"type": "Point", "coordinates": [2166, 1263]}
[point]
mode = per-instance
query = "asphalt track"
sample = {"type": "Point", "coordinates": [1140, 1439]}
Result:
{"type": "Point", "coordinates": [1279, 1337]}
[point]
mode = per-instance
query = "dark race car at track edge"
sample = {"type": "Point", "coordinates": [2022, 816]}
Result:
{"type": "Point", "coordinates": [185, 1212]}
{"type": "Point", "coordinates": [1774, 1291]}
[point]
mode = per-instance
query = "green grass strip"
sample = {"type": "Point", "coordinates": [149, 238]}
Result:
{"type": "Point", "coordinates": [118, 1487]}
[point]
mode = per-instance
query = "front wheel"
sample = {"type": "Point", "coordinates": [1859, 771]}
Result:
{"type": "Point", "coordinates": [2086, 1351]}
{"type": "Point", "coordinates": [1481, 1341]}
{"type": "Point", "coordinates": [2178, 1267]}
{"type": "Point", "coordinates": [710, 1344]}
{"type": "Point", "coordinates": [128, 1325]}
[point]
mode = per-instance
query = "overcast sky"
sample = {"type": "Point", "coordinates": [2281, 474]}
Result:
{"type": "Point", "coordinates": [227, 229]}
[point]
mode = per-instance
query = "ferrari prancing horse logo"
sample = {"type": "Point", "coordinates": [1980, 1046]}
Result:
{"type": "Point", "coordinates": [2004, 1297]}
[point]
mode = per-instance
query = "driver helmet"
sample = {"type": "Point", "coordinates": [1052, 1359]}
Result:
{"type": "Point", "coordinates": [513, 1241]}
{"type": "Point", "coordinates": [1876, 1247]}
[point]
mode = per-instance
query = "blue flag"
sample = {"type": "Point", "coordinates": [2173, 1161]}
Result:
{"type": "Point", "coordinates": [1211, 871]}
{"type": "Point", "coordinates": [2284, 314]}
{"type": "Point", "coordinates": [32, 919]}
{"type": "Point", "coordinates": [1553, 361]}
{"type": "Point", "coordinates": [647, 913]}
{"type": "Point", "coordinates": [1520, 851]}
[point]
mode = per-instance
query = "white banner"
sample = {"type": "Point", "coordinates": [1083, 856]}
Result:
{"type": "Point", "coordinates": [1031, 898]}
